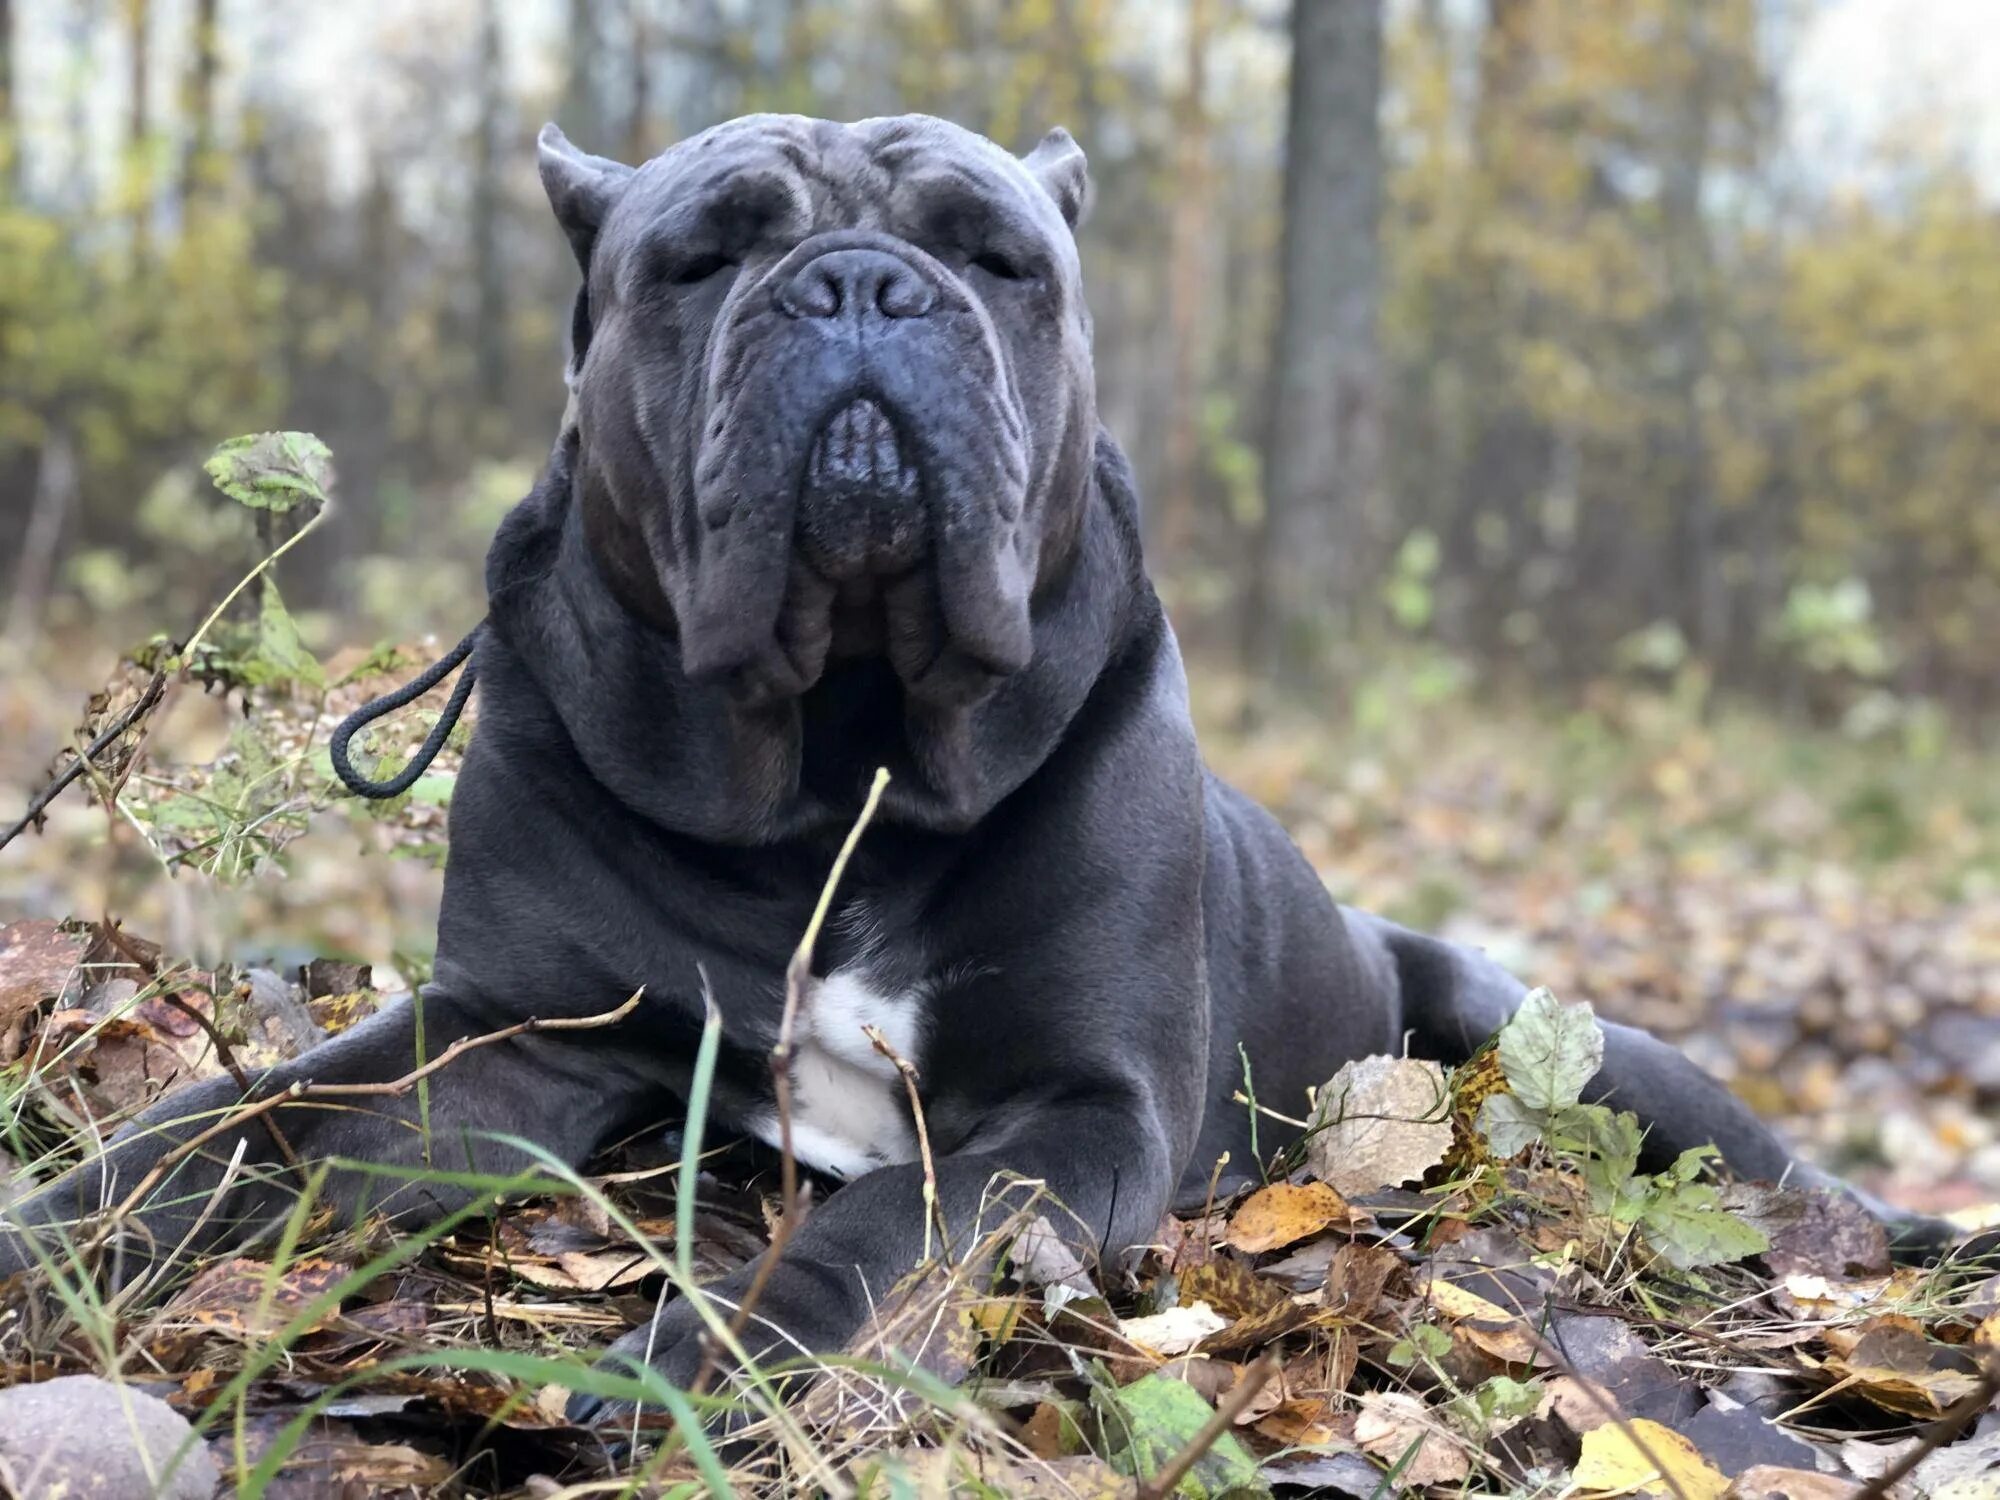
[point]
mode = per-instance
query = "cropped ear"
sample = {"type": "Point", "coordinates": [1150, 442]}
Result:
{"type": "Point", "coordinates": [1058, 165]}
{"type": "Point", "coordinates": [581, 188]}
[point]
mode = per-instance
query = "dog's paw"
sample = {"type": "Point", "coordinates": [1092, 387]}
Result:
{"type": "Point", "coordinates": [801, 1311]}
{"type": "Point", "coordinates": [671, 1344]}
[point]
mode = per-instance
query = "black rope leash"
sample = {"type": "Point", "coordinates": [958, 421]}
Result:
{"type": "Point", "coordinates": [389, 702]}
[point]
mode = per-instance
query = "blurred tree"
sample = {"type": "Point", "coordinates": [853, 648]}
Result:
{"type": "Point", "coordinates": [1326, 398]}
{"type": "Point", "coordinates": [1651, 385]}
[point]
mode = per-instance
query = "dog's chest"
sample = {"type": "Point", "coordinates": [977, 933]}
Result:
{"type": "Point", "coordinates": [850, 1110]}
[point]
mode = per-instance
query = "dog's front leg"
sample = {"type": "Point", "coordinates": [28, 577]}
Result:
{"type": "Point", "coordinates": [1108, 1175]}
{"type": "Point", "coordinates": [562, 1090]}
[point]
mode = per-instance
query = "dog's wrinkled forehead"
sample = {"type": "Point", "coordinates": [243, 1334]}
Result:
{"type": "Point", "coordinates": [914, 176]}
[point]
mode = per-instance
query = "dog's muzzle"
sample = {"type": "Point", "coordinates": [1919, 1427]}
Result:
{"type": "Point", "coordinates": [861, 504]}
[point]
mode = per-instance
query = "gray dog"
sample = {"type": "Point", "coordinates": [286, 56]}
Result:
{"type": "Point", "coordinates": [834, 496]}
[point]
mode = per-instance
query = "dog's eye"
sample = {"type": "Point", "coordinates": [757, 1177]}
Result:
{"type": "Point", "coordinates": [699, 268]}
{"type": "Point", "coordinates": [993, 263]}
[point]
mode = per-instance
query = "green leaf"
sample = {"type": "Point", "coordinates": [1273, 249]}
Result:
{"type": "Point", "coordinates": [279, 654]}
{"type": "Point", "coordinates": [1690, 1228]}
{"type": "Point", "coordinates": [1146, 1423]}
{"type": "Point", "coordinates": [1549, 1051]}
{"type": "Point", "coordinates": [275, 471]}
{"type": "Point", "coordinates": [1509, 1126]}
{"type": "Point", "coordinates": [1608, 1145]}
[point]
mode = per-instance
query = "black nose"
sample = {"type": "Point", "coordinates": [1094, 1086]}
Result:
{"type": "Point", "coordinates": [856, 283]}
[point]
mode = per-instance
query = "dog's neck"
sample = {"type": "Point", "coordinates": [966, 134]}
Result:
{"type": "Point", "coordinates": [580, 657]}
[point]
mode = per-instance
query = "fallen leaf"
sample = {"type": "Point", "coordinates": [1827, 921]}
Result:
{"type": "Point", "coordinates": [251, 1299]}
{"type": "Point", "coordinates": [37, 962]}
{"type": "Point", "coordinates": [1956, 1472]}
{"type": "Point", "coordinates": [932, 1471]}
{"type": "Point", "coordinates": [1621, 1458]}
{"type": "Point", "coordinates": [1901, 1371]}
{"type": "Point", "coordinates": [1231, 1288]}
{"type": "Point", "coordinates": [1285, 1213]}
{"type": "Point", "coordinates": [1145, 1424]}
{"type": "Point", "coordinates": [1812, 1230]}
{"type": "Point", "coordinates": [1400, 1430]}
{"type": "Point", "coordinates": [1174, 1331]}
{"type": "Point", "coordinates": [1381, 1121]}
{"type": "Point", "coordinates": [1487, 1324]}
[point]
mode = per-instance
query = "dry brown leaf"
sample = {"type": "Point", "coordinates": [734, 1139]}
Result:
{"type": "Point", "coordinates": [1393, 1424]}
{"type": "Point", "coordinates": [1901, 1371]}
{"type": "Point", "coordinates": [1230, 1287]}
{"type": "Point", "coordinates": [1487, 1324]}
{"type": "Point", "coordinates": [1357, 1278]}
{"type": "Point", "coordinates": [1304, 1421]}
{"type": "Point", "coordinates": [1174, 1331]}
{"type": "Point", "coordinates": [247, 1299]}
{"type": "Point", "coordinates": [1285, 1213]}
{"type": "Point", "coordinates": [1381, 1121]}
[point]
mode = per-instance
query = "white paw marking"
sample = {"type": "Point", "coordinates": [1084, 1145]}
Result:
{"type": "Point", "coordinates": [849, 1111]}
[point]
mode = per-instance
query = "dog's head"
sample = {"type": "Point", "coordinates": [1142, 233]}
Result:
{"type": "Point", "coordinates": [833, 392]}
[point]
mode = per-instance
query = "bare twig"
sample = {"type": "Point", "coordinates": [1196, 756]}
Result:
{"type": "Point", "coordinates": [798, 980]}
{"type": "Point", "coordinates": [306, 1091]}
{"type": "Point", "coordinates": [933, 1209]}
{"type": "Point", "coordinates": [465, 1044]}
{"type": "Point", "coordinates": [1944, 1430]}
{"type": "Point", "coordinates": [39, 804]}
{"type": "Point", "coordinates": [1233, 1406]}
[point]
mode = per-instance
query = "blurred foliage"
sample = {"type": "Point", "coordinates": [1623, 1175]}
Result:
{"type": "Point", "coordinates": [1660, 397]}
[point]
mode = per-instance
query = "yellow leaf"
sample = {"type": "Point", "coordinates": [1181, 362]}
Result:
{"type": "Point", "coordinates": [1285, 1213]}
{"type": "Point", "coordinates": [1487, 1324]}
{"type": "Point", "coordinates": [1643, 1457]}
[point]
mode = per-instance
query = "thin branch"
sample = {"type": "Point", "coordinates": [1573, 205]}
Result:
{"type": "Point", "coordinates": [1233, 1406]}
{"type": "Point", "coordinates": [41, 800]}
{"type": "Point", "coordinates": [1943, 1431]}
{"type": "Point", "coordinates": [304, 1091]}
{"type": "Point", "coordinates": [798, 979]}
{"type": "Point", "coordinates": [465, 1044]}
{"type": "Point", "coordinates": [933, 1209]}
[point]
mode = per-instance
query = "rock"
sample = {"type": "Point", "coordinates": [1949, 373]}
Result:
{"type": "Point", "coordinates": [86, 1439]}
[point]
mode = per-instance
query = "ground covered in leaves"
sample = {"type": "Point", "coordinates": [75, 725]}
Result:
{"type": "Point", "coordinates": [1461, 1283]}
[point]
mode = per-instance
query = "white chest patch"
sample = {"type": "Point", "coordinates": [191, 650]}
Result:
{"type": "Point", "coordinates": [850, 1113]}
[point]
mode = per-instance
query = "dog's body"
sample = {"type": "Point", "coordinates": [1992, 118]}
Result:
{"type": "Point", "coordinates": [835, 498]}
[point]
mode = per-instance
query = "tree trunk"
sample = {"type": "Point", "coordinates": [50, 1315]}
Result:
{"type": "Point", "coordinates": [490, 289]}
{"type": "Point", "coordinates": [580, 113]}
{"type": "Point", "coordinates": [1187, 262]}
{"type": "Point", "coordinates": [204, 63]}
{"type": "Point", "coordinates": [1689, 264]}
{"type": "Point", "coordinates": [639, 95]}
{"type": "Point", "coordinates": [1323, 446]}
{"type": "Point", "coordinates": [10, 138]}
{"type": "Point", "coordinates": [55, 496]}
{"type": "Point", "coordinates": [139, 124]}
